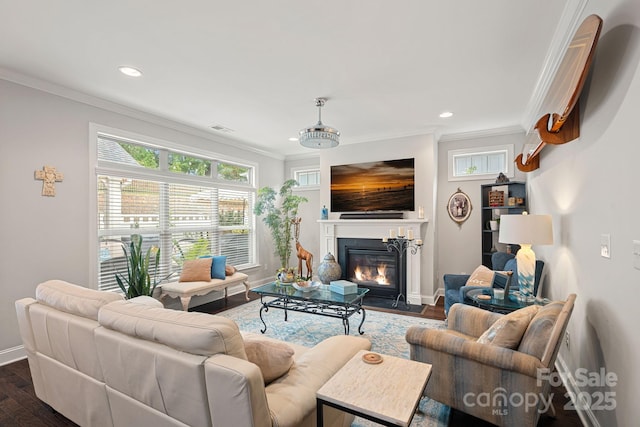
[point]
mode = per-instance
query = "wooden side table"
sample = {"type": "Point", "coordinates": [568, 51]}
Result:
{"type": "Point", "coordinates": [387, 393]}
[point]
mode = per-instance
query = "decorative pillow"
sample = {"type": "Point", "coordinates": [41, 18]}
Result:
{"type": "Point", "coordinates": [196, 270]}
{"type": "Point", "coordinates": [274, 358]}
{"type": "Point", "coordinates": [481, 276]}
{"type": "Point", "coordinates": [217, 265]}
{"type": "Point", "coordinates": [229, 270]}
{"type": "Point", "coordinates": [507, 332]}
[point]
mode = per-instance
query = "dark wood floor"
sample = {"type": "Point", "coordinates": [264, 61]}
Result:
{"type": "Point", "coordinates": [20, 407]}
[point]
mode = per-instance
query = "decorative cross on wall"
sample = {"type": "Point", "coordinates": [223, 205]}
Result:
{"type": "Point", "coordinates": [49, 177]}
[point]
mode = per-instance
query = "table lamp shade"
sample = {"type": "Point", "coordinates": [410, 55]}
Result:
{"type": "Point", "coordinates": [526, 230]}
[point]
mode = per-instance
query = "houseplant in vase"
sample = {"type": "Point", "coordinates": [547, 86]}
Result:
{"type": "Point", "coordinates": [138, 281]}
{"type": "Point", "coordinates": [279, 219]}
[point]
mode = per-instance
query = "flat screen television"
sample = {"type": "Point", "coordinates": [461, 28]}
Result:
{"type": "Point", "coordinates": [374, 186]}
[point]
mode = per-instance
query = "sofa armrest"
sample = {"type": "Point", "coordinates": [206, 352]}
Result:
{"type": "Point", "coordinates": [470, 320]}
{"type": "Point", "coordinates": [236, 393]}
{"type": "Point", "coordinates": [490, 355]}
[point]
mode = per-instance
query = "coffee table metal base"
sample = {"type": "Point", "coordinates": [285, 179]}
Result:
{"type": "Point", "coordinates": [336, 310]}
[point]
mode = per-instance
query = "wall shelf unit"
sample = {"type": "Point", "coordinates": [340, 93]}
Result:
{"type": "Point", "coordinates": [513, 202]}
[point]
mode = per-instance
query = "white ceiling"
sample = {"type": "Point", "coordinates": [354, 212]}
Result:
{"type": "Point", "coordinates": [388, 68]}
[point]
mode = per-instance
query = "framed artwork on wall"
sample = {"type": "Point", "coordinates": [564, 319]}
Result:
{"type": "Point", "coordinates": [459, 207]}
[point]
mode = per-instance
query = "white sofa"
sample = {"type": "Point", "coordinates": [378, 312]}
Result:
{"type": "Point", "coordinates": [102, 361]}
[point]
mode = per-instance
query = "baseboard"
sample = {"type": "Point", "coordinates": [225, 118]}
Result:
{"type": "Point", "coordinates": [12, 354]}
{"type": "Point", "coordinates": [433, 299]}
{"type": "Point", "coordinates": [584, 412]}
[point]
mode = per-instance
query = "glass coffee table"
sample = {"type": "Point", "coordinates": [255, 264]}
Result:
{"type": "Point", "coordinates": [320, 301]}
{"type": "Point", "coordinates": [484, 298]}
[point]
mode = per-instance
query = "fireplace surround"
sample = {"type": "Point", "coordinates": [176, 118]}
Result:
{"type": "Point", "coordinates": [333, 229]}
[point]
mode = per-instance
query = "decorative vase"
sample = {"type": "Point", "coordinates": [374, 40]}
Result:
{"type": "Point", "coordinates": [329, 269]}
{"type": "Point", "coordinates": [286, 277]}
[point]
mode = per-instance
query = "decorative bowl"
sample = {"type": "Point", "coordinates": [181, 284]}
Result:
{"type": "Point", "coordinates": [306, 285]}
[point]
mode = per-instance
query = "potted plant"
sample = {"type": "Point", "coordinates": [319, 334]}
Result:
{"type": "Point", "coordinates": [138, 281]}
{"type": "Point", "coordinates": [279, 219]}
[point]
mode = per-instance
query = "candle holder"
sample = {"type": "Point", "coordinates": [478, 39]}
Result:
{"type": "Point", "coordinates": [401, 244]}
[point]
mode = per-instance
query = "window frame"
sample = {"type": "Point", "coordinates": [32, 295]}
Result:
{"type": "Point", "coordinates": [295, 172]}
{"type": "Point", "coordinates": [104, 167]}
{"type": "Point", "coordinates": [509, 167]}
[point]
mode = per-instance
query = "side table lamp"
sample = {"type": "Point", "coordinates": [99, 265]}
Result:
{"type": "Point", "coordinates": [526, 230]}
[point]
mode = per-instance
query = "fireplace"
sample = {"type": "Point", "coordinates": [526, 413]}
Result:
{"type": "Point", "coordinates": [369, 264]}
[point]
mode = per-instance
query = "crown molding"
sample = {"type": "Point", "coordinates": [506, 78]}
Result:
{"type": "Point", "coordinates": [115, 107]}
{"type": "Point", "coordinates": [484, 133]}
{"type": "Point", "coordinates": [569, 22]}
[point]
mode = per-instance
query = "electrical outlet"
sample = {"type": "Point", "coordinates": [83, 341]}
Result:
{"type": "Point", "coordinates": [566, 339]}
{"type": "Point", "coordinates": [605, 245]}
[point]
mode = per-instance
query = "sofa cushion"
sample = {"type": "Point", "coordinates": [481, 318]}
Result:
{"type": "Point", "coordinates": [74, 299]}
{"type": "Point", "coordinates": [196, 270]}
{"type": "Point", "coordinates": [537, 335]}
{"type": "Point", "coordinates": [507, 331]}
{"type": "Point", "coordinates": [229, 270]}
{"type": "Point", "coordinates": [196, 333]}
{"type": "Point", "coordinates": [274, 358]}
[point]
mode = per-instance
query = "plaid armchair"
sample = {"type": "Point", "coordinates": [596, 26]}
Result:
{"type": "Point", "coordinates": [503, 386]}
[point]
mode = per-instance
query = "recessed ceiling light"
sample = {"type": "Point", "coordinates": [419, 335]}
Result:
{"type": "Point", "coordinates": [293, 139]}
{"type": "Point", "coordinates": [130, 71]}
{"type": "Point", "coordinates": [446, 114]}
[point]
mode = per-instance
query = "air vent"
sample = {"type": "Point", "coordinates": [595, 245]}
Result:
{"type": "Point", "coordinates": [221, 128]}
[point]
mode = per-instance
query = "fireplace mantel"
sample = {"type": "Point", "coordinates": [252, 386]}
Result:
{"type": "Point", "coordinates": [332, 229]}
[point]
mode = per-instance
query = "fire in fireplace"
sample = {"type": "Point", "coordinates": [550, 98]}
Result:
{"type": "Point", "coordinates": [367, 263]}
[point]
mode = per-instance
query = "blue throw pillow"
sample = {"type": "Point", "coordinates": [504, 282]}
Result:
{"type": "Point", "coordinates": [512, 265]}
{"type": "Point", "coordinates": [217, 266]}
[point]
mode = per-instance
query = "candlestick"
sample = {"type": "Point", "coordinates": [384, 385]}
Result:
{"type": "Point", "coordinates": [401, 232]}
{"type": "Point", "coordinates": [420, 212]}
{"type": "Point", "coordinates": [410, 234]}
{"type": "Point", "coordinates": [392, 234]}
{"type": "Point", "coordinates": [401, 244]}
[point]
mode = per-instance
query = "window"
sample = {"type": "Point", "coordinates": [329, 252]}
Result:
{"type": "Point", "coordinates": [307, 178]}
{"type": "Point", "coordinates": [171, 198]}
{"type": "Point", "coordinates": [480, 163]}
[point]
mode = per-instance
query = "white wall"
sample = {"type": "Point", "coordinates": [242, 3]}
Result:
{"type": "Point", "coordinates": [459, 246]}
{"type": "Point", "coordinates": [423, 149]}
{"type": "Point", "coordinates": [590, 187]}
{"type": "Point", "coordinates": [48, 237]}
{"type": "Point", "coordinates": [309, 212]}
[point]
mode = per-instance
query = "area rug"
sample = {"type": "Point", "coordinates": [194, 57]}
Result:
{"type": "Point", "coordinates": [386, 332]}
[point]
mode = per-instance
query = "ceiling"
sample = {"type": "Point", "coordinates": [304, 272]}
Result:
{"type": "Point", "coordinates": [387, 68]}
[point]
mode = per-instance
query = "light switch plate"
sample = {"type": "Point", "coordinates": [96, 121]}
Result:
{"type": "Point", "coordinates": [636, 254]}
{"type": "Point", "coordinates": [605, 245]}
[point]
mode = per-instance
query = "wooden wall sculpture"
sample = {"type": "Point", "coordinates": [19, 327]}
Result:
{"type": "Point", "coordinates": [561, 123]}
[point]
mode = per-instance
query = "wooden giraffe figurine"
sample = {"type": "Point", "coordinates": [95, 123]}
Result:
{"type": "Point", "coordinates": [301, 252]}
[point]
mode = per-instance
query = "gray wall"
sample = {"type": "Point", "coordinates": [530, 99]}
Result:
{"type": "Point", "coordinates": [459, 245]}
{"type": "Point", "coordinates": [590, 186]}
{"type": "Point", "coordinates": [48, 237]}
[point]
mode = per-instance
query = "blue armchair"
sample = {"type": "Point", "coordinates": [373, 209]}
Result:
{"type": "Point", "coordinates": [454, 284]}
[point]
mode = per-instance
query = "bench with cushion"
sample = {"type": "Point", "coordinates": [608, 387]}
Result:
{"type": "Point", "coordinates": [186, 290]}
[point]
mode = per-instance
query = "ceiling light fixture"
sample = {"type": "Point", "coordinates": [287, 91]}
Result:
{"type": "Point", "coordinates": [319, 135]}
{"type": "Point", "coordinates": [130, 71]}
{"type": "Point", "coordinates": [446, 114]}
